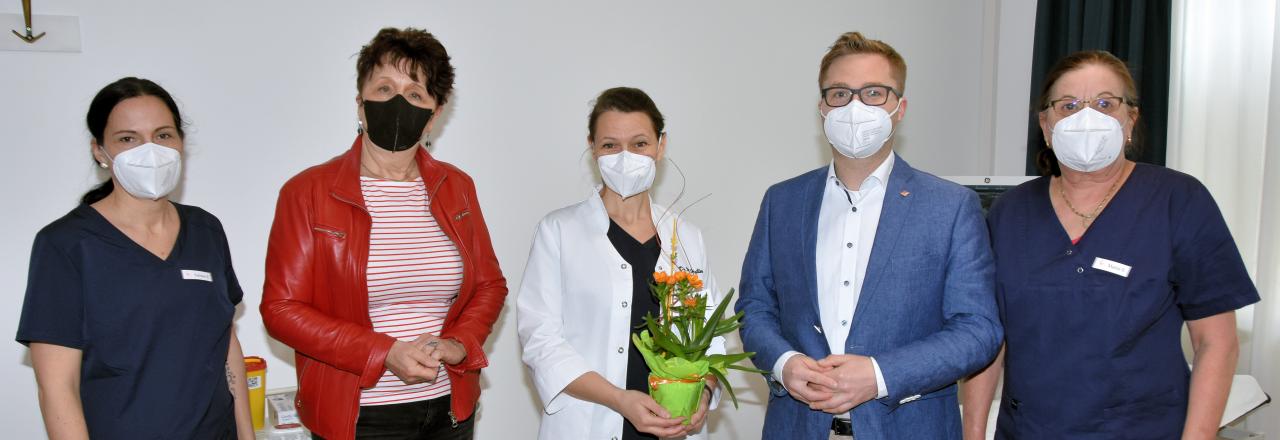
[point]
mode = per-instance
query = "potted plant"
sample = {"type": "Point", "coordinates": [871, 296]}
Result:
{"type": "Point", "coordinates": [675, 344]}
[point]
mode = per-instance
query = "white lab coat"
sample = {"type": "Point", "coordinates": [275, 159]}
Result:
{"type": "Point", "coordinates": [572, 312]}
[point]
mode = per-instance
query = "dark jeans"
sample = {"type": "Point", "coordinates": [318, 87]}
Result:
{"type": "Point", "coordinates": [425, 419]}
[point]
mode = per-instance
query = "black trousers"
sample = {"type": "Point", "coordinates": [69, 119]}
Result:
{"type": "Point", "coordinates": [424, 419]}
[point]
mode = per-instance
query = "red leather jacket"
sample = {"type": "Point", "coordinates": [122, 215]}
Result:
{"type": "Point", "coordinates": [316, 299]}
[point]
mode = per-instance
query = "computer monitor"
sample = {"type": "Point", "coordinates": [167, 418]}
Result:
{"type": "Point", "coordinates": [989, 187]}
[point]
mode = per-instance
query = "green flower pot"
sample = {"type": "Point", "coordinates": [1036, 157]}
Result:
{"type": "Point", "coordinates": [680, 397]}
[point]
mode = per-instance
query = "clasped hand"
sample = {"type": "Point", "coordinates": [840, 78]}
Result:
{"type": "Point", "coordinates": [834, 385]}
{"type": "Point", "coordinates": [419, 361]}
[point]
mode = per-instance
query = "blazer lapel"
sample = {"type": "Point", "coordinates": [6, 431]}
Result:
{"type": "Point", "coordinates": [893, 215]}
{"type": "Point", "coordinates": [812, 196]}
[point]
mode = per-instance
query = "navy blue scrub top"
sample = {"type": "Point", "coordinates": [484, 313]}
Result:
{"type": "Point", "coordinates": [1092, 354]}
{"type": "Point", "coordinates": [153, 333]}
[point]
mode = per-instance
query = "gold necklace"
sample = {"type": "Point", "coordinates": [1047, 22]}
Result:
{"type": "Point", "coordinates": [1086, 218]}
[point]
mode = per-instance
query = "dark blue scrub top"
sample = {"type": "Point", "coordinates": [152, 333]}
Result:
{"type": "Point", "coordinates": [154, 339]}
{"type": "Point", "coordinates": [1095, 355]}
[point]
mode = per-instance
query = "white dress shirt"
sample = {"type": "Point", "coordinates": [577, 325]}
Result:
{"type": "Point", "coordinates": [847, 223]}
{"type": "Point", "coordinates": [573, 315]}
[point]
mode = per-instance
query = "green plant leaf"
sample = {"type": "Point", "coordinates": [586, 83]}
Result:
{"type": "Point", "coordinates": [727, 327]}
{"type": "Point", "coordinates": [652, 325]}
{"type": "Point", "coordinates": [727, 359]}
{"type": "Point", "coordinates": [695, 352]}
{"type": "Point", "coordinates": [727, 386]}
{"type": "Point", "coordinates": [699, 325]}
{"type": "Point", "coordinates": [746, 369]}
{"type": "Point", "coordinates": [670, 347]}
{"type": "Point", "coordinates": [714, 320]}
{"type": "Point", "coordinates": [681, 324]}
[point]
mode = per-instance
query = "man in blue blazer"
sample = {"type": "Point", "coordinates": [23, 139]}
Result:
{"type": "Point", "coordinates": [868, 285]}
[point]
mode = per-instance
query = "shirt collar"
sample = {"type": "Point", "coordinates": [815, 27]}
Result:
{"type": "Point", "coordinates": [877, 177]}
{"type": "Point", "coordinates": [600, 216]}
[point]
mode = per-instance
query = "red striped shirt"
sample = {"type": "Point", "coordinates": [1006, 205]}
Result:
{"type": "Point", "coordinates": [414, 275]}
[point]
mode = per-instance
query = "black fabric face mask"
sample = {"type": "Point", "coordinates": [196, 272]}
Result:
{"type": "Point", "coordinates": [395, 124]}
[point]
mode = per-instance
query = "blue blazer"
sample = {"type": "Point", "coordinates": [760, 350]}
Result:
{"type": "Point", "coordinates": [927, 311]}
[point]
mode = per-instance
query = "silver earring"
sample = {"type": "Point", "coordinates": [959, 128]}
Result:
{"type": "Point", "coordinates": [359, 126]}
{"type": "Point", "coordinates": [102, 165]}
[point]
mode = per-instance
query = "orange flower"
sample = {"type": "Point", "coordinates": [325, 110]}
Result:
{"type": "Point", "coordinates": [691, 301]}
{"type": "Point", "coordinates": [681, 276]}
{"type": "Point", "coordinates": [660, 277]}
{"type": "Point", "coordinates": [697, 285]}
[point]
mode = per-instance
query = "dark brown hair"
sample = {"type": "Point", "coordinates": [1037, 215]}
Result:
{"type": "Point", "coordinates": [1045, 160]}
{"type": "Point", "coordinates": [100, 110]}
{"type": "Point", "coordinates": [852, 43]}
{"type": "Point", "coordinates": [626, 100]}
{"type": "Point", "coordinates": [417, 47]}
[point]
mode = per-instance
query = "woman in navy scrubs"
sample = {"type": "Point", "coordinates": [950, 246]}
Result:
{"type": "Point", "coordinates": [1099, 264]}
{"type": "Point", "coordinates": [130, 297]}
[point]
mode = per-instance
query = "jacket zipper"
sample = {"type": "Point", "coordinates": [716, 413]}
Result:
{"type": "Point", "coordinates": [297, 397]}
{"type": "Point", "coordinates": [363, 261]}
{"type": "Point", "coordinates": [451, 231]}
{"type": "Point", "coordinates": [338, 234]}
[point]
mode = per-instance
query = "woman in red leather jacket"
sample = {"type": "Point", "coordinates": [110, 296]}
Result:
{"type": "Point", "coordinates": [380, 272]}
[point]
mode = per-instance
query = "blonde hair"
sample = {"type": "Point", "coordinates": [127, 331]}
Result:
{"type": "Point", "coordinates": [852, 43]}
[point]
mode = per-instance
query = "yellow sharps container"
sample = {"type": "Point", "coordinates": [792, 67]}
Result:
{"type": "Point", "coordinates": [256, 377]}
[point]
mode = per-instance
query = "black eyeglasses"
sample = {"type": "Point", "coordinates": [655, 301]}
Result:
{"type": "Point", "coordinates": [1068, 106]}
{"type": "Point", "coordinates": [838, 96]}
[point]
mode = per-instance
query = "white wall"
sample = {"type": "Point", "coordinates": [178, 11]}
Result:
{"type": "Point", "coordinates": [269, 89]}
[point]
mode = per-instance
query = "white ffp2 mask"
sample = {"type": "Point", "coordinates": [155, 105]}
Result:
{"type": "Point", "coordinates": [858, 130]}
{"type": "Point", "coordinates": [627, 173]}
{"type": "Point", "coordinates": [148, 171]}
{"type": "Point", "coordinates": [1088, 140]}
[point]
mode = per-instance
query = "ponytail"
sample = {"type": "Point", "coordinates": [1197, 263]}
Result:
{"type": "Point", "coordinates": [98, 192]}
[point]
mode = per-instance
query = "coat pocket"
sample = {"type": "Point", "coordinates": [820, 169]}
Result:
{"type": "Point", "coordinates": [330, 232]}
{"type": "Point", "coordinates": [461, 224]}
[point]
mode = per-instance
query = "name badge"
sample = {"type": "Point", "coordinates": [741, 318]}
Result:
{"type": "Point", "coordinates": [1106, 265]}
{"type": "Point", "coordinates": [197, 275]}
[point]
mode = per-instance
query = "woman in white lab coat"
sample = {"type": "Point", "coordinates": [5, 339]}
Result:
{"type": "Point", "coordinates": [585, 287]}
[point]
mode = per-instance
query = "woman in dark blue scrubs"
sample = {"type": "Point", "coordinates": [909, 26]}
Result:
{"type": "Point", "coordinates": [130, 297]}
{"type": "Point", "coordinates": [1099, 264]}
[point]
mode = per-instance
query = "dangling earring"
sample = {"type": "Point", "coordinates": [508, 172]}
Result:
{"type": "Point", "coordinates": [359, 126]}
{"type": "Point", "coordinates": [102, 165]}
